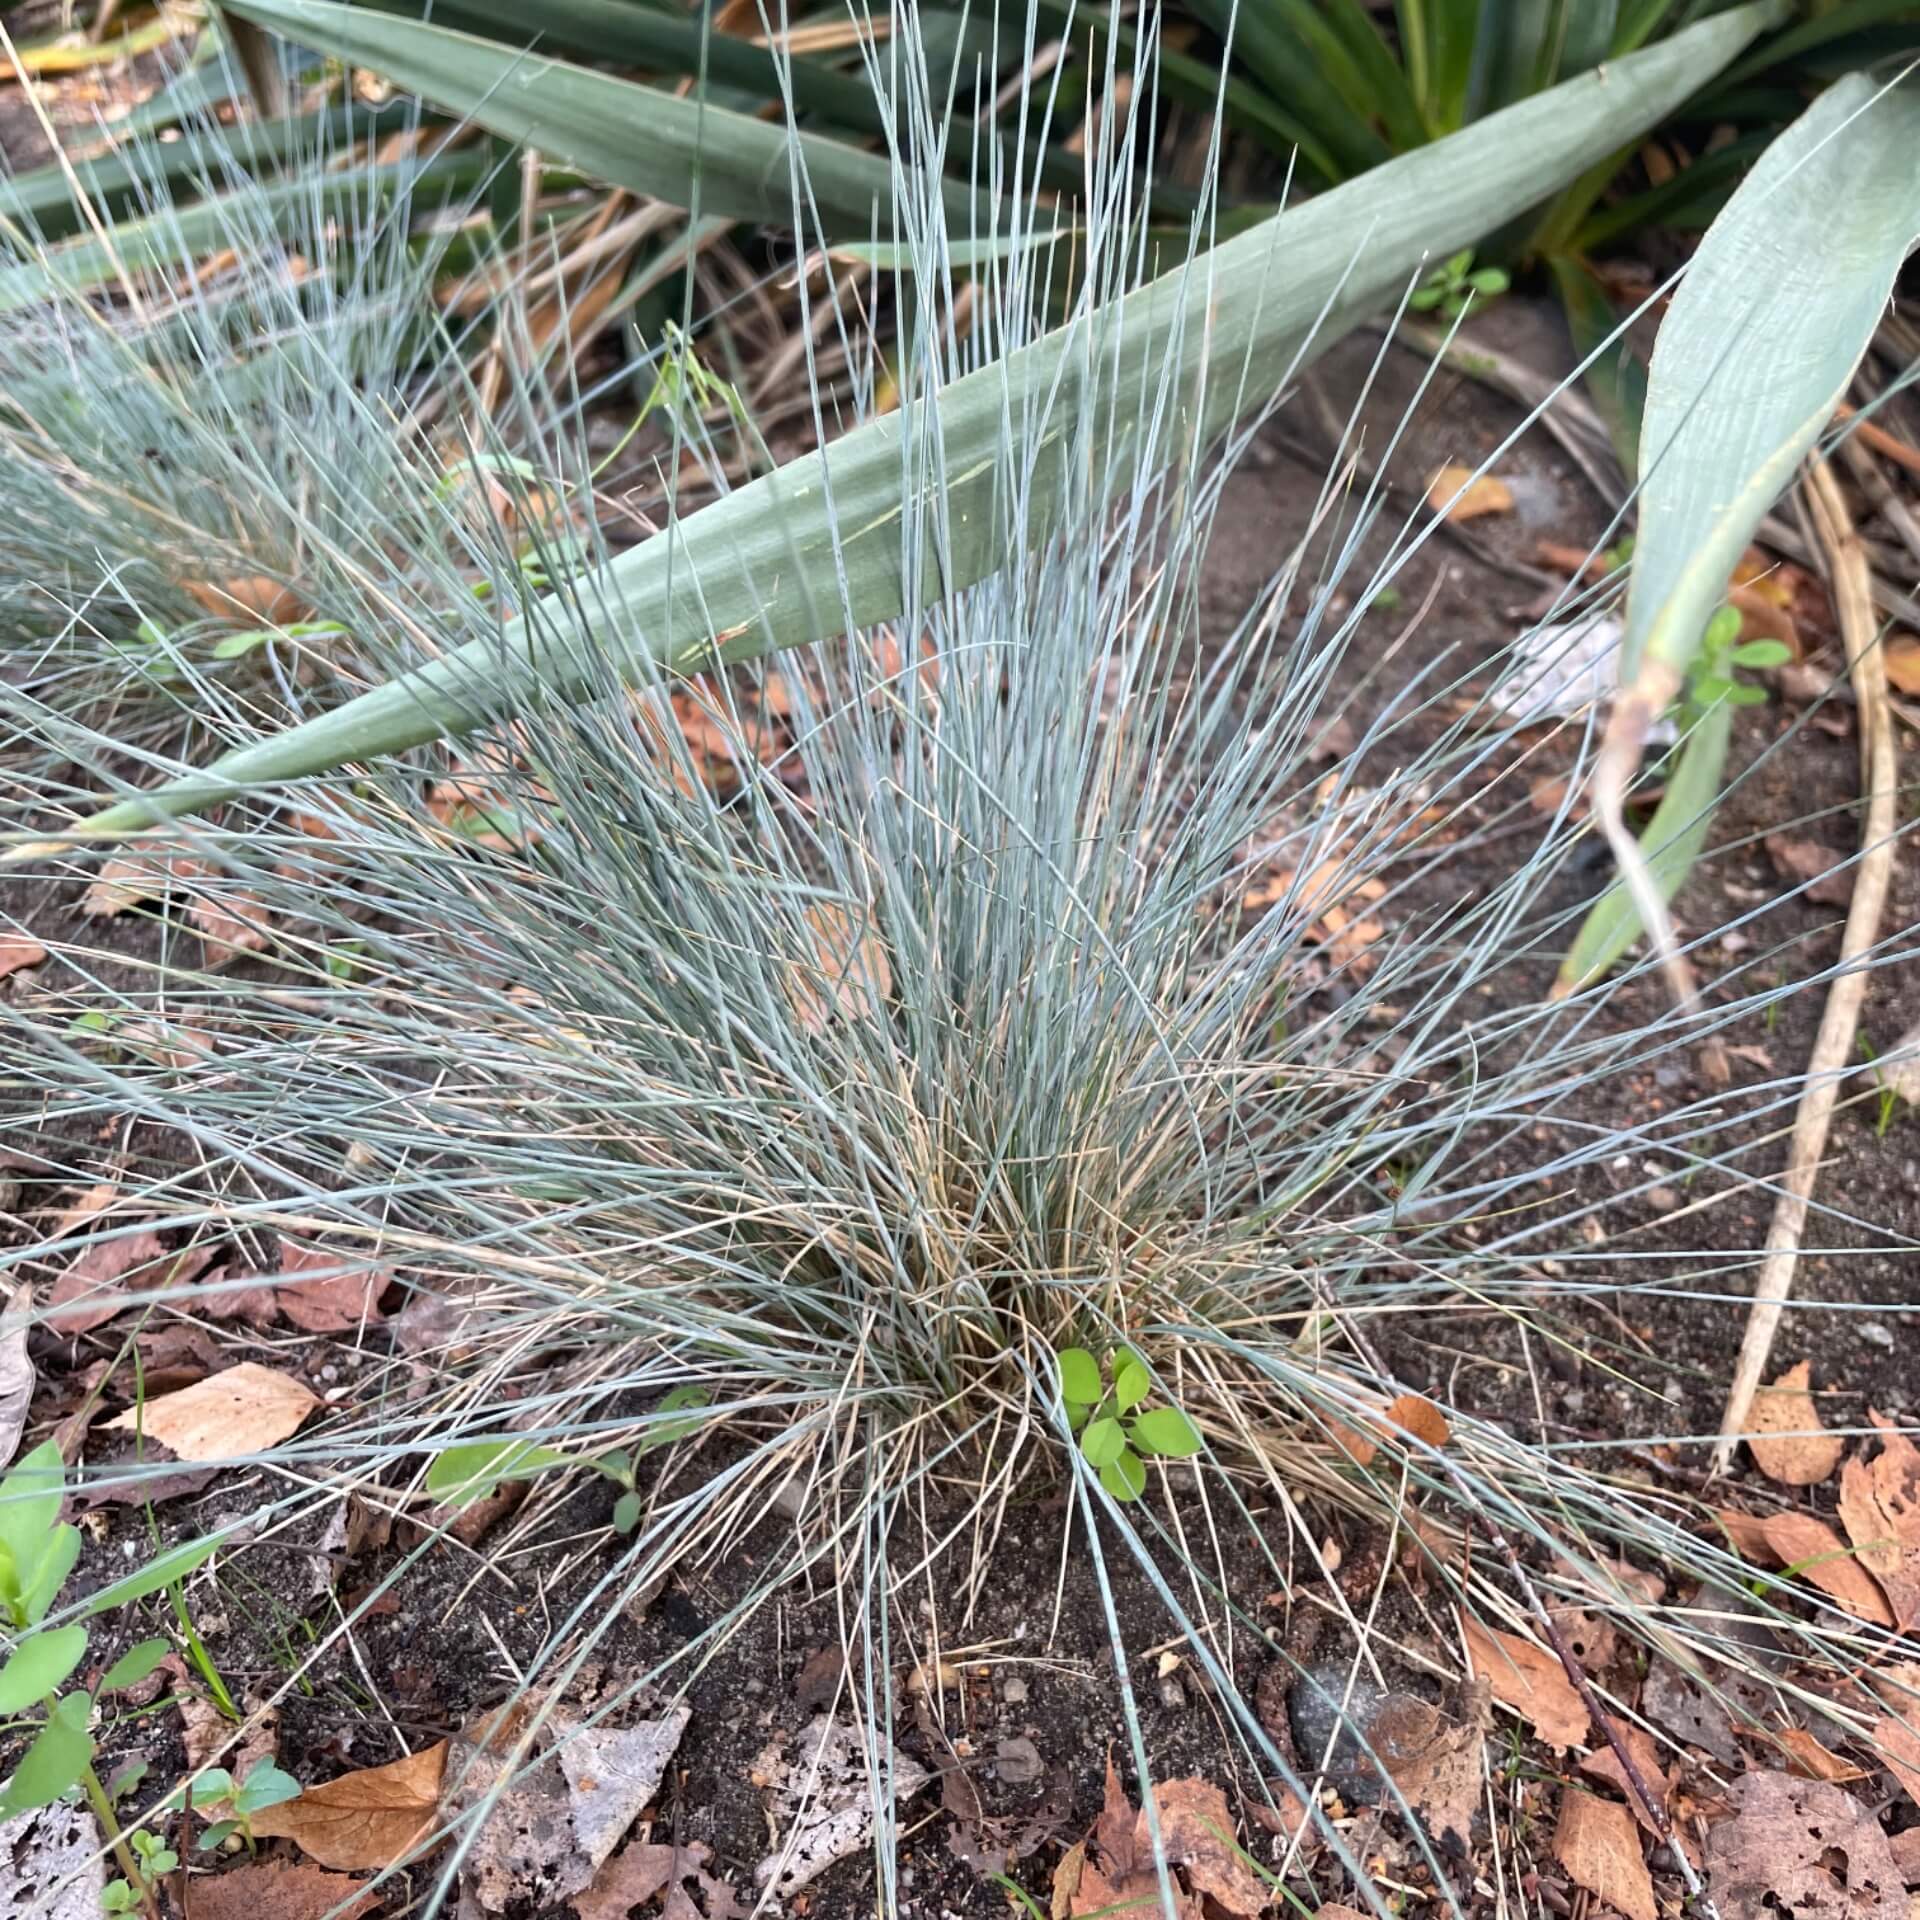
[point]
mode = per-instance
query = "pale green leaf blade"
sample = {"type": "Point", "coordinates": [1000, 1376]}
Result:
{"type": "Point", "coordinates": [1758, 347]}
{"type": "Point", "coordinates": [1671, 844]}
{"type": "Point", "coordinates": [814, 548]}
{"type": "Point", "coordinates": [1125, 1476]}
{"type": "Point", "coordinates": [39, 1666]}
{"type": "Point", "coordinates": [674, 147]}
{"type": "Point", "coordinates": [134, 1665]}
{"type": "Point", "coordinates": [1168, 1433]}
{"type": "Point", "coordinates": [56, 1760]}
{"type": "Point", "coordinates": [161, 1571]}
{"type": "Point", "coordinates": [460, 1475]}
{"type": "Point", "coordinates": [1079, 1376]}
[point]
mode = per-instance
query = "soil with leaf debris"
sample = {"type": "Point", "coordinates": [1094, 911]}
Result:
{"type": "Point", "coordinates": [1004, 1705]}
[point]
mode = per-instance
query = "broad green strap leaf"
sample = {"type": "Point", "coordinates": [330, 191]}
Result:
{"type": "Point", "coordinates": [462, 1474]}
{"type": "Point", "coordinates": [1613, 375]}
{"type": "Point", "coordinates": [678, 149]}
{"type": "Point", "coordinates": [1758, 346]}
{"type": "Point", "coordinates": [1753, 357]}
{"type": "Point", "coordinates": [815, 548]}
{"type": "Point", "coordinates": [619, 32]}
{"type": "Point", "coordinates": [1670, 845]}
{"type": "Point", "coordinates": [43, 201]}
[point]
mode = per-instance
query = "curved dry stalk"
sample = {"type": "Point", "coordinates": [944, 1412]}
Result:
{"type": "Point", "coordinates": [1834, 1043]}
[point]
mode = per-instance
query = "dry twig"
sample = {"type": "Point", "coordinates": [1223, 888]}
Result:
{"type": "Point", "coordinates": [1833, 1045]}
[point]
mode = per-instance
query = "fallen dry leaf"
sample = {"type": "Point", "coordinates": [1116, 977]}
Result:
{"type": "Point", "coordinates": [1896, 1734]}
{"type": "Point", "coordinates": [1604, 1764]}
{"type": "Point", "coordinates": [1419, 1417]}
{"type": "Point", "coordinates": [1197, 1838]}
{"type": "Point", "coordinates": [245, 1409]}
{"type": "Point", "coordinates": [1598, 1844]}
{"type": "Point", "coordinates": [101, 1281]}
{"type": "Point", "coordinates": [16, 1369]}
{"type": "Point", "coordinates": [1811, 1548]}
{"type": "Point", "coordinates": [1437, 1762]}
{"type": "Point", "coordinates": [250, 598]}
{"type": "Point", "coordinates": [1801, 1847]}
{"type": "Point", "coordinates": [822, 1800]}
{"type": "Point", "coordinates": [633, 1878]}
{"type": "Point", "coordinates": [1826, 875]}
{"type": "Point", "coordinates": [1529, 1680]}
{"type": "Point", "coordinates": [1785, 1434]}
{"type": "Point", "coordinates": [229, 925]}
{"type": "Point", "coordinates": [281, 1890]}
{"type": "Point", "coordinates": [1903, 662]}
{"type": "Point", "coordinates": [338, 1294]}
{"type": "Point", "coordinates": [1457, 494]}
{"type": "Point", "coordinates": [1880, 1509]}
{"type": "Point", "coordinates": [1806, 1756]}
{"type": "Point", "coordinates": [1748, 1533]}
{"type": "Point", "coordinates": [128, 879]}
{"type": "Point", "coordinates": [18, 951]}
{"type": "Point", "coordinates": [52, 1864]}
{"type": "Point", "coordinates": [365, 1821]}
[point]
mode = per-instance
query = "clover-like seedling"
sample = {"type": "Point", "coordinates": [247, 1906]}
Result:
{"type": "Point", "coordinates": [1117, 1437]}
{"type": "Point", "coordinates": [229, 1805]}
{"type": "Point", "coordinates": [1451, 287]}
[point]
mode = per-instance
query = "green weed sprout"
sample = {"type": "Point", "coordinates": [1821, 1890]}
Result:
{"type": "Point", "coordinates": [1714, 675]}
{"type": "Point", "coordinates": [460, 1475]}
{"type": "Point", "coordinates": [38, 1552]}
{"type": "Point", "coordinates": [229, 1804]}
{"type": "Point", "coordinates": [153, 1860]}
{"type": "Point", "coordinates": [1455, 284]}
{"type": "Point", "coordinates": [1115, 1437]}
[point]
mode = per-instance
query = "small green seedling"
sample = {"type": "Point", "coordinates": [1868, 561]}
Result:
{"type": "Point", "coordinates": [1115, 1438]}
{"type": "Point", "coordinates": [1454, 284]}
{"type": "Point", "coordinates": [153, 1860]}
{"type": "Point", "coordinates": [472, 1470]}
{"type": "Point", "coordinates": [37, 1553]}
{"type": "Point", "coordinates": [1714, 676]}
{"type": "Point", "coordinates": [230, 1805]}
{"type": "Point", "coordinates": [1886, 1094]}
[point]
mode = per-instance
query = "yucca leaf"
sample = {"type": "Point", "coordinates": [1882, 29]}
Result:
{"type": "Point", "coordinates": [676, 148]}
{"type": "Point", "coordinates": [616, 31]}
{"type": "Point", "coordinates": [1758, 346]}
{"type": "Point", "coordinates": [1754, 355]}
{"type": "Point", "coordinates": [815, 548]}
{"type": "Point", "coordinates": [1670, 846]}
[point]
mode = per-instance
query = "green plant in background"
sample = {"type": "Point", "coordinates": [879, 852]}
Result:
{"type": "Point", "coordinates": [1117, 1434]}
{"type": "Point", "coordinates": [1455, 284]}
{"type": "Point", "coordinates": [1885, 1094]}
{"type": "Point", "coordinates": [38, 1552]}
{"type": "Point", "coordinates": [1714, 674]}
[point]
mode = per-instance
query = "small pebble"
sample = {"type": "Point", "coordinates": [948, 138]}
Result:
{"type": "Point", "coordinates": [1014, 1693]}
{"type": "Point", "coordinates": [1172, 1693]}
{"type": "Point", "coordinates": [1875, 1334]}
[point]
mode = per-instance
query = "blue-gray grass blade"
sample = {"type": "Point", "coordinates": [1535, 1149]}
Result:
{"type": "Point", "coordinates": [1753, 358]}
{"type": "Point", "coordinates": [815, 548]}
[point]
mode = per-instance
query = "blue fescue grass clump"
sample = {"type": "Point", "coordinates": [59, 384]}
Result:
{"type": "Point", "coordinates": [798, 1060]}
{"type": "Point", "coordinates": [226, 458]}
